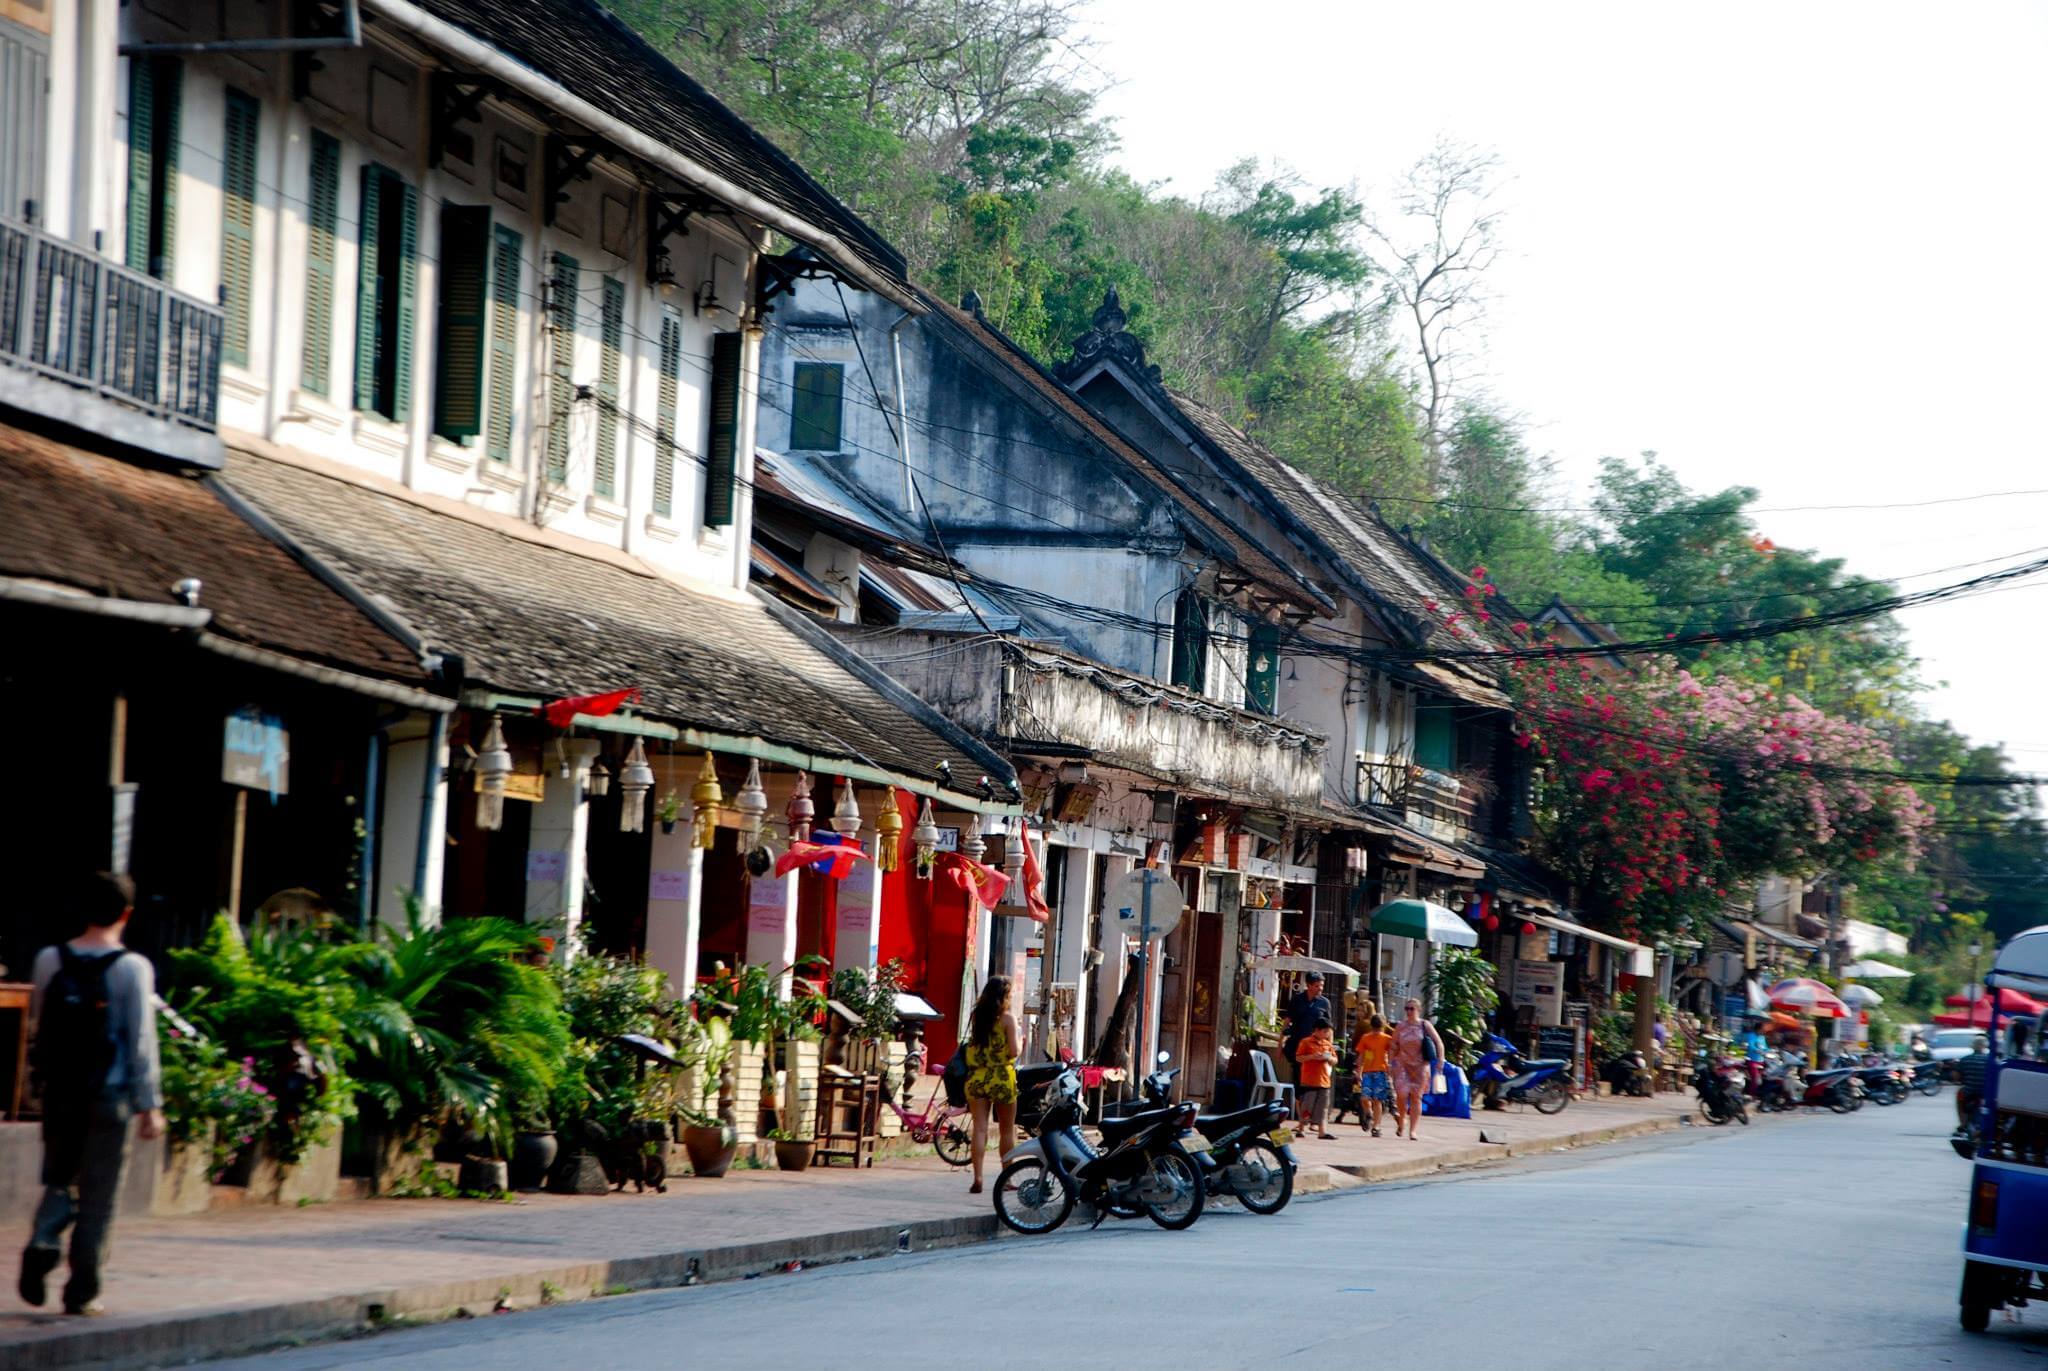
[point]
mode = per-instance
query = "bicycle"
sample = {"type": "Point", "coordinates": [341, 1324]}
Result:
{"type": "Point", "coordinates": [945, 1127]}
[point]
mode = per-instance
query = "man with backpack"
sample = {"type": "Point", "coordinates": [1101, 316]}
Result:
{"type": "Point", "coordinates": [95, 1064]}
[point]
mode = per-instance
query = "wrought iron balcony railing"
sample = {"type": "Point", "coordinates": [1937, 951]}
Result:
{"type": "Point", "coordinates": [137, 361]}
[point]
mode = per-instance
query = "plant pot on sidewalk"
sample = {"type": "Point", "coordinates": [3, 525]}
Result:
{"type": "Point", "coordinates": [711, 1148]}
{"type": "Point", "coordinates": [533, 1154]}
{"type": "Point", "coordinates": [794, 1154]}
{"type": "Point", "coordinates": [185, 1183]}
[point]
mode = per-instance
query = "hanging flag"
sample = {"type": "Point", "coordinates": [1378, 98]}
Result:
{"type": "Point", "coordinates": [984, 883]}
{"type": "Point", "coordinates": [828, 854]}
{"type": "Point", "coordinates": [1034, 882]}
{"type": "Point", "coordinates": [561, 713]}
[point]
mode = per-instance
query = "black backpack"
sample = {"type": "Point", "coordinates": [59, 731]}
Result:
{"type": "Point", "coordinates": [74, 1046]}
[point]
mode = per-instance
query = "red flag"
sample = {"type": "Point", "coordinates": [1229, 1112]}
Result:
{"type": "Point", "coordinates": [561, 713]}
{"type": "Point", "coordinates": [984, 883]}
{"type": "Point", "coordinates": [1034, 883]}
{"type": "Point", "coordinates": [828, 859]}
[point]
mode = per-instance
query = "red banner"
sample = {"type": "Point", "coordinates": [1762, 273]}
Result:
{"type": "Point", "coordinates": [1034, 883]}
{"type": "Point", "coordinates": [828, 859]}
{"type": "Point", "coordinates": [984, 883]}
{"type": "Point", "coordinates": [561, 713]}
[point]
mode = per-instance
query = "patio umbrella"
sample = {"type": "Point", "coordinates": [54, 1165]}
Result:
{"type": "Point", "coordinates": [1780, 1019]}
{"type": "Point", "coordinates": [1860, 996]}
{"type": "Point", "coordinates": [1422, 919]}
{"type": "Point", "coordinates": [1876, 971]}
{"type": "Point", "coordinates": [2009, 1002]}
{"type": "Point", "coordinates": [1803, 995]}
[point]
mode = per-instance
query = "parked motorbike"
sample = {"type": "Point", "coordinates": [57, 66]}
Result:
{"type": "Point", "coordinates": [1781, 1089]}
{"type": "Point", "coordinates": [1927, 1078]}
{"type": "Point", "coordinates": [1141, 1167]}
{"type": "Point", "coordinates": [1248, 1154]}
{"type": "Point", "coordinates": [1720, 1092]}
{"type": "Point", "coordinates": [1506, 1077]}
{"type": "Point", "coordinates": [1882, 1082]}
{"type": "Point", "coordinates": [1835, 1088]}
{"type": "Point", "coordinates": [1628, 1073]}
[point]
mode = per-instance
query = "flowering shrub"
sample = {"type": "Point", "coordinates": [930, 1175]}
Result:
{"type": "Point", "coordinates": [203, 1086]}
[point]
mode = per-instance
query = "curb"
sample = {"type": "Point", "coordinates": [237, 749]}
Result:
{"type": "Point", "coordinates": [1485, 1154]}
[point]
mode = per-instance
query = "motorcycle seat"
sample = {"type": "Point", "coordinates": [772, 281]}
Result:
{"type": "Point", "coordinates": [1542, 1063]}
{"type": "Point", "coordinates": [1213, 1124]}
{"type": "Point", "coordinates": [1116, 1130]}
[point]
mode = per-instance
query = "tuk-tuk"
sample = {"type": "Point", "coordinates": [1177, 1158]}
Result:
{"type": "Point", "coordinates": [2005, 1241]}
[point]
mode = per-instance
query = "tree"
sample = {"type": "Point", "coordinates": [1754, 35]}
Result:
{"type": "Point", "coordinates": [1310, 246]}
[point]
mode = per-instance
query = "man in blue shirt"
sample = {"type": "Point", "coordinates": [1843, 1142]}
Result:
{"type": "Point", "coordinates": [1753, 1049]}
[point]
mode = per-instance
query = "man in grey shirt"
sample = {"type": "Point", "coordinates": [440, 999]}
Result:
{"type": "Point", "coordinates": [95, 1059]}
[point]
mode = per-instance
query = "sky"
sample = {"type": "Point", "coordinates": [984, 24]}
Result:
{"type": "Point", "coordinates": [1795, 247]}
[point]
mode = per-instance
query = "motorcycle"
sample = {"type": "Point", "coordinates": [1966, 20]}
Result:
{"type": "Point", "coordinates": [1927, 1078]}
{"type": "Point", "coordinates": [1781, 1089]}
{"type": "Point", "coordinates": [1628, 1073]}
{"type": "Point", "coordinates": [1141, 1167]}
{"type": "Point", "coordinates": [1720, 1093]}
{"type": "Point", "coordinates": [1836, 1088]}
{"type": "Point", "coordinates": [1507, 1077]}
{"type": "Point", "coordinates": [1248, 1156]}
{"type": "Point", "coordinates": [1882, 1082]}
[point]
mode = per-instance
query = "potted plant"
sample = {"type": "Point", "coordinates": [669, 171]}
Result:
{"type": "Point", "coordinates": [709, 1135]}
{"type": "Point", "coordinates": [792, 1153]}
{"type": "Point", "coordinates": [668, 809]}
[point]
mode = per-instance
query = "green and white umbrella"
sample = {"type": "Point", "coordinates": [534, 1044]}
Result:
{"type": "Point", "coordinates": [1425, 920]}
{"type": "Point", "coordinates": [1875, 971]}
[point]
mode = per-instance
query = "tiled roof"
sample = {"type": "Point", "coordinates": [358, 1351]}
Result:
{"type": "Point", "coordinates": [108, 528]}
{"type": "Point", "coordinates": [530, 617]}
{"type": "Point", "coordinates": [595, 56]}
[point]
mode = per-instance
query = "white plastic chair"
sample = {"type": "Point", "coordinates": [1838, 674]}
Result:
{"type": "Point", "coordinates": [1266, 1082]}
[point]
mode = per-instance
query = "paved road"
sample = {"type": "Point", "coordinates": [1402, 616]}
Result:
{"type": "Point", "coordinates": [1816, 1242]}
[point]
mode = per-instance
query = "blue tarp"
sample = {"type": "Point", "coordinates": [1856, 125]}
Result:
{"type": "Point", "coordinates": [1456, 1101]}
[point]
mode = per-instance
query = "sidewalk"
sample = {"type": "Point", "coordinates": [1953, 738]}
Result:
{"type": "Point", "coordinates": [236, 1280]}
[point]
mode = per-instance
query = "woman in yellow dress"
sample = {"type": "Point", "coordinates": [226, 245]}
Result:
{"type": "Point", "coordinates": [992, 1070]}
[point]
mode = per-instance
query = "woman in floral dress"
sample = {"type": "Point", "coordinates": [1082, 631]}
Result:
{"type": "Point", "coordinates": [1411, 1066]}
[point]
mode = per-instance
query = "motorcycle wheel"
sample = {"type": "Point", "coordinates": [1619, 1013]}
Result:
{"type": "Point", "coordinates": [1710, 1114]}
{"type": "Point", "coordinates": [1841, 1102]}
{"type": "Point", "coordinates": [1929, 1087]}
{"type": "Point", "coordinates": [1741, 1112]}
{"type": "Point", "coordinates": [1175, 1174]}
{"type": "Point", "coordinates": [955, 1142]}
{"type": "Point", "coordinates": [1031, 1198]}
{"type": "Point", "coordinates": [1551, 1097]}
{"type": "Point", "coordinates": [1275, 1179]}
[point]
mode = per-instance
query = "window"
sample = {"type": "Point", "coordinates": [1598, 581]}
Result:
{"type": "Point", "coordinates": [389, 224]}
{"type": "Point", "coordinates": [562, 363]}
{"type": "Point", "coordinates": [462, 321]}
{"type": "Point", "coordinates": [238, 222]}
{"type": "Point", "coordinates": [1262, 670]}
{"type": "Point", "coordinates": [1436, 735]}
{"type": "Point", "coordinates": [505, 268]}
{"type": "Point", "coordinates": [323, 214]}
{"type": "Point", "coordinates": [611, 337]}
{"type": "Point", "coordinates": [721, 450]}
{"type": "Point", "coordinates": [24, 107]}
{"type": "Point", "coordinates": [670, 368]}
{"type": "Point", "coordinates": [154, 86]}
{"type": "Point", "coordinates": [1190, 642]}
{"type": "Point", "coordinates": [814, 408]}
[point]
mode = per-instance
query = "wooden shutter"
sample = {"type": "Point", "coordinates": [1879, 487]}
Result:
{"type": "Point", "coordinates": [721, 450]}
{"type": "Point", "coordinates": [612, 334]}
{"type": "Point", "coordinates": [1191, 642]}
{"type": "Point", "coordinates": [407, 276]}
{"type": "Point", "coordinates": [1262, 670]}
{"type": "Point", "coordinates": [815, 407]}
{"type": "Point", "coordinates": [154, 86]}
{"type": "Point", "coordinates": [141, 149]}
{"type": "Point", "coordinates": [323, 215]}
{"type": "Point", "coordinates": [238, 222]}
{"type": "Point", "coordinates": [671, 373]}
{"type": "Point", "coordinates": [368, 217]}
{"type": "Point", "coordinates": [464, 302]}
{"type": "Point", "coordinates": [505, 266]}
{"type": "Point", "coordinates": [561, 365]}
{"type": "Point", "coordinates": [24, 108]}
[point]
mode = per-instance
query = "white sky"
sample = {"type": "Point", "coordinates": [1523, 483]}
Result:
{"type": "Point", "coordinates": [1797, 247]}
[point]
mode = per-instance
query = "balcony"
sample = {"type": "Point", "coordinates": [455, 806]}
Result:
{"type": "Point", "coordinates": [93, 345]}
{"type": "Point", "coordinates": [1442, 806]}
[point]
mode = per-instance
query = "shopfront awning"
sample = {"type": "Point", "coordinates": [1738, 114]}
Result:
{"type": "Point", "coordinates": [1642, 961]}
{"type": "Point", "coordinates": [1330, 971]}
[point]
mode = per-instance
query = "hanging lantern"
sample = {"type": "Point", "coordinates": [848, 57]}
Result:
{"type": "Point", "coordinates": [1528, 930]}
{"type": "Point", "coordinates": [846, 813]}
{"type": "Point", "coordinates": [971, 844]}
{"type": "Point", "coordinates": [636, 778]}
{"type": "Point", "coordinates": [493, 771]}
{"type": "Point", "coordinates": [705, 798]}
{"type": "Point", "coordinates": [1013, 864]}
{"type": "Point", "coordinates": [926, 838]}
{"type": "Point", "coordinates": [751, 804]}
{"type": "Point", "coordinates": [1492, 921]}
{"type": "Point", "coordinates": [801, 811]}
{"type": "Point", "coordinates": [599, 783]}
{"type": "Point", "coordinates": [889, 833]}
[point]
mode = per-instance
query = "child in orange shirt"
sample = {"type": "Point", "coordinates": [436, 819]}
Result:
{"type": "Point", "coordinates": [1317, 1055]}
{"type": "Point", "coordinates": [1375, 1091]}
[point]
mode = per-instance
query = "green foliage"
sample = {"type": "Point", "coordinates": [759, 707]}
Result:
{"type": "Point", "coordinates": [1461, 995]}
{"type": "Point", "coordinates": [208, 1094]}
{"type": "Point", "coordinates": [601, 1082]}
{"type": "Point", "coordinates": [872, 998]}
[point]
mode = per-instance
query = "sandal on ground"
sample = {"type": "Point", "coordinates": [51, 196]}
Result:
{"type": "Point", "coordinates": [974, 1189]}
{"type": "Point", "coordinates": [1375, 1132]}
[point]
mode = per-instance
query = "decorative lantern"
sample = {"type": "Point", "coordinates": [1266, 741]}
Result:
{"type": "Point", "coordinates": [705, 798]}
{"type": "Point", "coordinates": [1528, 929]}
{"type": "Point", "coordinates": [636, 778]}
{"type": "Point", "coordinates": [846, 813]}
{"type": "Point", "coordinates": [493, 770]}
{"type": "Point", "coordinates": [1492, 921]}
{"type": "Point", "coordinates": [971, 845]}
{"type": "Point", "coordinates": [889, 833]}
{"type": "Point", "coordinates": [751, 804]}
{"type": "Point", "coordinates": [1013, 864]}
{"type": "Point", "coordinates": [926, 838]}
{"type": "Point", "coordinates": [599, 782]}
{"type": "Point", "coordinates": [801, 811]}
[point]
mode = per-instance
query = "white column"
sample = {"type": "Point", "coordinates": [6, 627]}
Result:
{"type": "Point", "coordinates": [1109, 978]}
{"type": "Point", "coordinates": [857, 940]}
{"type": "Point", "coordinates": [1076, 908]}
{"type": "Point", "coordinates": [398, 839]}
{"type": "Point", "coordinates": [675, 897]}
{"type": "Point", "coordinates": [771, 924]}
{"type": "Point", "coordinates": [555, 848]}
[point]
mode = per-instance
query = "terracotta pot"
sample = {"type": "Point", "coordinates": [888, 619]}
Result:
{"type": "Point", "coordinates": [794, 1156]}
{"type": "Point", "coordinates": [711, 1148]}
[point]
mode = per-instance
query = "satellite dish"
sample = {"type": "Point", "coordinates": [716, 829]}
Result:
{"type": "Point", "coordinates": [1146, 899]}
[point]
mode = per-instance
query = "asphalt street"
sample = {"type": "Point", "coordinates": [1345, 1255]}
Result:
{"type": "Point", "coordinates": [1815, 1242]}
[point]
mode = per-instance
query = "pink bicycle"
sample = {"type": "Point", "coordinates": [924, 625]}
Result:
{"type": "Point", "coordinates": [947, 1128]}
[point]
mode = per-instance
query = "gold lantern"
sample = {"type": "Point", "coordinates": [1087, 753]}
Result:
{"type": "Point", "coordinates": [889, 833]}
{"type": "Point", "coordinates": [705, 798]}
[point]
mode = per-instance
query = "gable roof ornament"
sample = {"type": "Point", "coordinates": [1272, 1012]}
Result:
{"type": "Point", "coordinates": [1107, 341]}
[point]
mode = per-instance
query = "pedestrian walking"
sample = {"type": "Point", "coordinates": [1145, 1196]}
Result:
{"type": "Point", "coordinates": [1316, 1057]}
{"type": "Point", "coordinates": [95, 1065]}
{"type": "Point", "coordinates": [1416, 1054]}
{"type": "Point", "coordinates": [1304, 1007]}
{"type": "Point", "coordinates": [1375, 1090]}
{"type": "Point", "coordinates": [992, 1039]}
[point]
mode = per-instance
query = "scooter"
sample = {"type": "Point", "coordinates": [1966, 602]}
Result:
{"type": "Point", "coordinates": [1507, 1077]}
{"type": "Point", "coordinates": [1880, 1079]}
{"type": "Point", "coordinates": [1835, 1088]}
{"type": "Point", "coordinates": [1141, 1168]}
{"type": "Point", "coordinates": [1927, 1078]}
{"type": "Point", "coordinates": [1720, 1093]}
{"type": "Point", "coordinates": [1628, 1073]}
{"type": "Point", "coordinates": [1248, 1156]}
{"type": "Point", "coordinates": [1781, 1089]}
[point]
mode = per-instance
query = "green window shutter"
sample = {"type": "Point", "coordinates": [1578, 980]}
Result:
{"type": "Point", "coordinates": [1191, 642]}
{"type": "Point", "coordinates": [562, 365]}
{"type": "Point", "coordinates": [464, 301]}
{"type": "Point", "coordinates": [408, 275]}
{"type": "Point", "coordinates": [504, 344]}
{"type": "Point", "coordinates": [665, 413]}
{"type": "Point", "coordinates": [323, 214]}
{"type": "Point", "coordinates": [721, 451]}
{"type": "Point", "coordinates": [141, 152]}
{"type": "Point", "coordinates": [369, 216]}
{"type": "Point", "coordinates": [815, 407]}
{"type": "Point", "coordinates": [1262, 670]}
{"type": "Point", "coordinates": [612, 329]}
{"type": "Point", "coordinates": [238, 222]}
{"type": "Point", "coordinates": [1436, 735]}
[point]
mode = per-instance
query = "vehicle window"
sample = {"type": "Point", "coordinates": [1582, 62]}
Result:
{"type": "Point", "coordinates": [1954, 1037]}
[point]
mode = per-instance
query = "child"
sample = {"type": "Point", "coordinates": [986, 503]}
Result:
{"type": "Point", "coordinates": [1317, 1054]}
{"type": "Point", "coordinates": [1375, 1092]}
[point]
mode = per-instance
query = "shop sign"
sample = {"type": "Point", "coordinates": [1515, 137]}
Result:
{"type": "Point", "coordinates": [543, 865]}
{"type": "Point", "coordinates": [256, 752]}
{"type": "Point", "coordinates": [1540, 986]}
{"type": "Point", "coordinates": [668, 885]}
